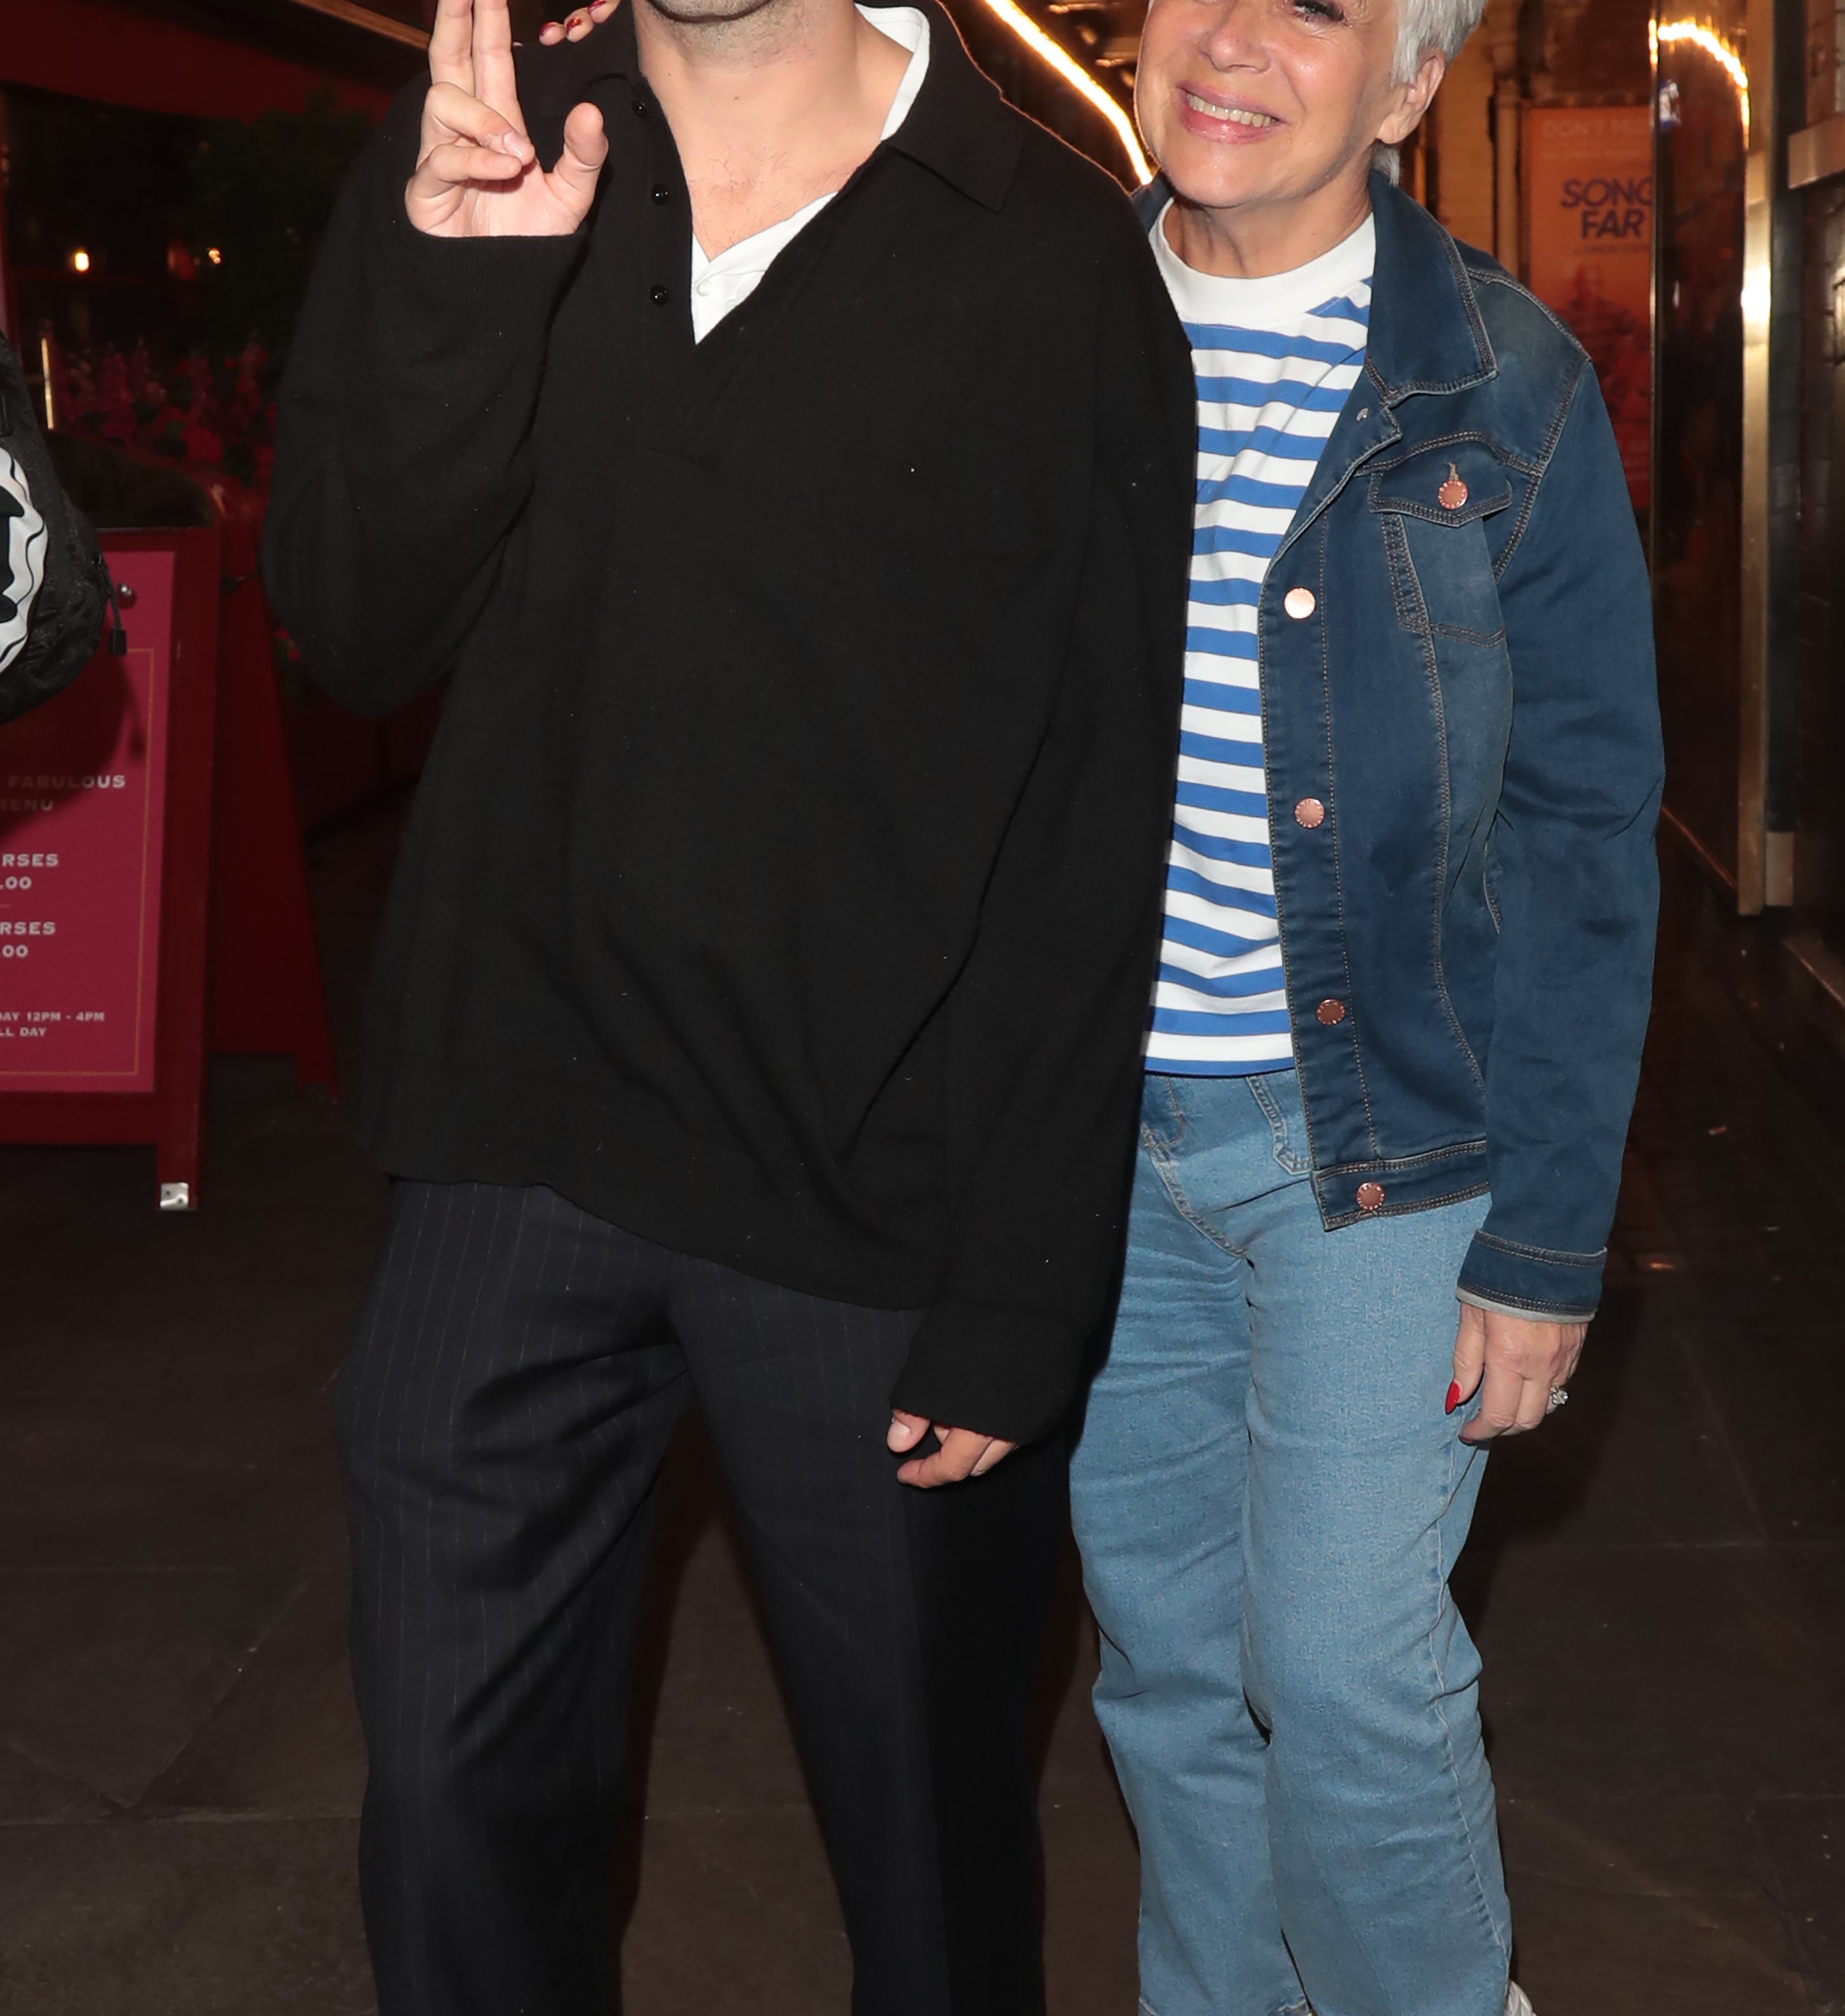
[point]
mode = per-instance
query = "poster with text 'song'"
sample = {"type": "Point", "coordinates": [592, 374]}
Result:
{"type": "Point", "coordinates": [82, 815]}
{"type": "Point", "coordinates": [1587, 174]}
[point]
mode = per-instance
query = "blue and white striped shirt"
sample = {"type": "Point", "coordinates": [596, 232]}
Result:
{"type": "Point", "coordinates": [1274, 359]}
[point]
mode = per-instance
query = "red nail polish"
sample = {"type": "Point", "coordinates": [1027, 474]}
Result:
{"type": "Point", "coordinates": [1454, 1397]}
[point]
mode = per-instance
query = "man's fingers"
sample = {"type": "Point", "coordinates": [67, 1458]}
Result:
{"type": "Point", "coordinates": [468, 142]}
{"type": "Point", "coordinates": [580, 165]}
{"type": "Point", "coordinates": [451, 44]}
{"type": "Point", "coordinates": [925, 1473]}
{"type": "Point", "coordinates": [451, 114]}
{"type": "Point", "coordinates": [964, 1453]}
{"type": "Point", "coordinates": [464, 142]}
{"type": "Point", "coordinates": [906, 1431]}
{"type": "Point", "coordinates": [494, 78]}
{"type": "Point", "coordinates": [961, 1451]}
{"type": "Point", "coordinates": [456, 164]}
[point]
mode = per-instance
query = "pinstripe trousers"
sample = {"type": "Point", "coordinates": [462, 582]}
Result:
{"type": "Point", "coordinates": [504, 1412]}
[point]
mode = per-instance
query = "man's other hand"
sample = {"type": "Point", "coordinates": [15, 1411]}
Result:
{"type": "Point", "coordinates": [963, 1453]}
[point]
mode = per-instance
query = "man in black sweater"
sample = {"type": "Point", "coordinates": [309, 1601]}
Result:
{"type": "Point", "coordinates": [792, 482]}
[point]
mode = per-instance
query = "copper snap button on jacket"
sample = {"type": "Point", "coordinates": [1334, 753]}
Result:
{"type": "Point", "coordinates": [1310, 812]}
{"type": "Point", "coordinates": [1453, 493]}
{"type": "Point", "coordinates": [1370, 1196]}
{"type": "Point", "coordinates": [1330, 1012]}
{"type": "Point", "coordinates": [1298, 603]}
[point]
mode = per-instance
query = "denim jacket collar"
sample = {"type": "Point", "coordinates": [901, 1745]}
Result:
{"type": "Point", "coordinates": [1426, 331]}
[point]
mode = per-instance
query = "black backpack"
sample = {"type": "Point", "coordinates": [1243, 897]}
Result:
{"type": "Point", "coordinates": [54, 584]}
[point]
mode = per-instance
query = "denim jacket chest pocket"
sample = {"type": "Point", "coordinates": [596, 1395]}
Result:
{"type": "Point", "coordinates": [1433, 506]}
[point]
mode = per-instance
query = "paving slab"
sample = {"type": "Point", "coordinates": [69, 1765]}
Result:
{"type": "Point", "coordinates": [105, 1675]}
{"type": "Point", "coordinates": [183, 1917]}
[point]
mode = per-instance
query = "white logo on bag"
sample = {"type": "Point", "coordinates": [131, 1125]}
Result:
{"type": "Point", "coordinates": [24, 569]}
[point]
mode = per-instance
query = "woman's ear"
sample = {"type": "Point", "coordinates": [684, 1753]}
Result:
{"type": "Point", "coordinates": [1411, 100]}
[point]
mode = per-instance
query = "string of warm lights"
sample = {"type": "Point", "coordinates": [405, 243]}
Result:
{"type": "Point", "coordinates": [1078, 78]}
{"type": "Point", "coordinates": [1714, 46]}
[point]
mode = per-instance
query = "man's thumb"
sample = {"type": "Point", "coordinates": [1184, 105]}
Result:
{"type": "Point", "coordinates": [585, 149]}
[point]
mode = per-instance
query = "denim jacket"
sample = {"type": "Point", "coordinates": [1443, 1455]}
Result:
{"type": "Point", "coordinates": [1461, 739]}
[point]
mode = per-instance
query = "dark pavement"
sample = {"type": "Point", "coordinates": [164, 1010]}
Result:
{"type": "Point", "coordinates": [1657, 1580]}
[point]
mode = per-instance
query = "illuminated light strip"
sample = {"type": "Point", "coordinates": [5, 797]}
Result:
{"type": "Point", "coordinates": [1074, 75]}
{"type": "Point", "coordinates": [1714, 46]}
{"type": "Point", "coordinates": [368, 18]}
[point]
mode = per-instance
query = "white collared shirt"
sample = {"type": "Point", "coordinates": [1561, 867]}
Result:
{"type": "Point", "coordinates": [719, 285]}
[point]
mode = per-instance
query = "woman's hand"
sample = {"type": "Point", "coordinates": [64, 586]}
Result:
{"type": "Point", "coordinates": [477, 173]}
{"type": "Point", "coordinates": [1514, 1362]}
{"type": "Point", "coordinates": [963, 1454]}
{"type": "Point", "coordinates": [575, 26]}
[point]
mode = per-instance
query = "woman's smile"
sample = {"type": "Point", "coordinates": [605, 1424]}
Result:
{"type": "Point", "coordinates": [1214, 117]}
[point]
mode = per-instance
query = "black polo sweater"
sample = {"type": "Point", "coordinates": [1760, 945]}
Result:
{"type": "Point", "coordinates": [784, 884]}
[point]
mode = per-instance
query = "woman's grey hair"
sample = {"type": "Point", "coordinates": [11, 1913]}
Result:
{"type": "Point", "coordinates": [1426, 25]}
{"type": "Point", "coordinates": [1423, 26]}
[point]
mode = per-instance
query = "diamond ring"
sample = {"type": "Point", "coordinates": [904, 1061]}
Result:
{"type": "Point", "coordinates": [1558, 1395]}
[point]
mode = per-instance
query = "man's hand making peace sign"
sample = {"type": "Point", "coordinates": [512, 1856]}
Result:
{"type": "Point", "coordinates": [477, 173]}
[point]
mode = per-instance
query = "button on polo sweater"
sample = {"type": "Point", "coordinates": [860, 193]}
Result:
{"type": "Point", "coordinates": [784, 884]}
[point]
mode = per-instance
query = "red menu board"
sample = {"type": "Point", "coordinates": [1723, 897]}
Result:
{"type": "Point", "coordinates": [83, 785]}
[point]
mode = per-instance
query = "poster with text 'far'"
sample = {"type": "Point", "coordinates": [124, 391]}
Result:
{"type": "Point", "coordinates": [82, 806]}
{"type": "Point", "coordinates": [1589, 196]}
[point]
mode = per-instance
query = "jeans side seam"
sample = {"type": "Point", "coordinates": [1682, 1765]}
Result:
{"type": "Point", "coordinates": [1447, 1734]}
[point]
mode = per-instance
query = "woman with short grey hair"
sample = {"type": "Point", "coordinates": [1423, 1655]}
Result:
{"type": "Point", "coordinates": [1396, 1033]}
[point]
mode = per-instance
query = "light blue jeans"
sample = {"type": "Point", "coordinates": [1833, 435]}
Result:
{"type": "Point", "coordinates": [1269, 1499]}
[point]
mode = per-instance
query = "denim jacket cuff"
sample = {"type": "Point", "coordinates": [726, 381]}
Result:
{"type": "Point", "coordinates": [1531, 1280]}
